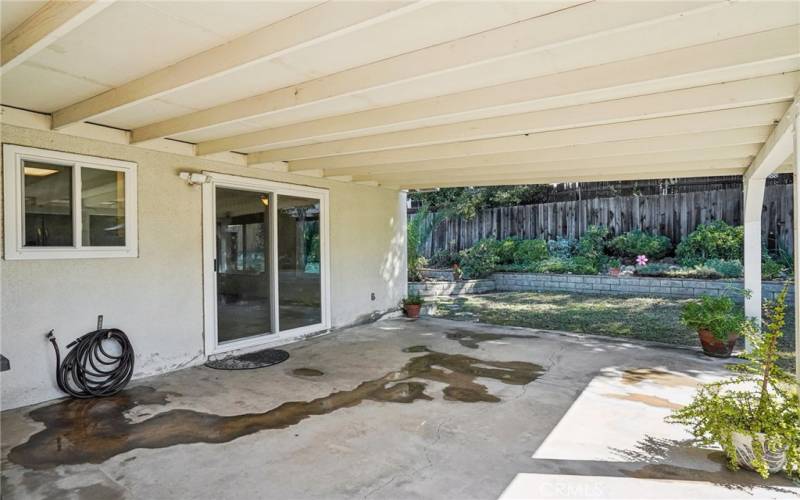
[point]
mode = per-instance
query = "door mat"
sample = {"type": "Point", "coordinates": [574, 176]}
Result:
{"type": "Point", "coordinates": [249, 361]}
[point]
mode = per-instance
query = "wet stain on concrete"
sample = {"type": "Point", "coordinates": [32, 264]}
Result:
{"type": "Point", "coordinates": [647, 399]}
{"type": "Point", "coordinates": [660, 377]}
{"type": "Point", "coordinates": [472, 339]}
{"type": "Point", "coordinates": [307, 372]}
{"type": "Point", "coordinates": [92, 431]}
{"type": "Point", "coordinates": [58, 485]}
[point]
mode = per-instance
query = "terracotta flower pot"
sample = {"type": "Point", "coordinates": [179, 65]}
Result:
{"type": "Point", "coordinates": [412, 310]}
{"type": "Point", "coordinates": [712, 346]}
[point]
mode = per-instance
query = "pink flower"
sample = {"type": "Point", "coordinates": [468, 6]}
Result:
{"type": "Point", "coordinates": [641, 260]}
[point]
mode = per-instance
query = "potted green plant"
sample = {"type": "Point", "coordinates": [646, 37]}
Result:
{"type": "Point", "coordinates": [718, 321]}
{"type": "Point", "coordinates": [412, 305]}
{"type": "Point", "coordinates": [754, 415]}
{"type": "Point", "coordinates": [614, 266]}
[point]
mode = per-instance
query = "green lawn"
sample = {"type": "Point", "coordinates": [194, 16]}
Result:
{"type": "Point", "coordinates": [644, 318]}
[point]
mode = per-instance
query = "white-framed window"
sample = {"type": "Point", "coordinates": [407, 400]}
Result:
{"type": "Point", "coordinates": [67, 206]}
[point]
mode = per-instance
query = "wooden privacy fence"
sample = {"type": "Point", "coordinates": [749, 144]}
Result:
{"type": "Point", "coordinates": [673, 215]}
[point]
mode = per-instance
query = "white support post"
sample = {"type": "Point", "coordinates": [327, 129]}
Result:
{"type": "Point", "coordinates": [796, 237]}
{"type": "Point", "coordinates": [753, 202]}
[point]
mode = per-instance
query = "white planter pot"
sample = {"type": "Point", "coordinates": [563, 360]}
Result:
{"type": "Point", "coordinates": [776, 460]}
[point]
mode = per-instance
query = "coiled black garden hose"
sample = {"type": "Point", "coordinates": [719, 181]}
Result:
{"type": "Point", "coordinates": [90, 370]}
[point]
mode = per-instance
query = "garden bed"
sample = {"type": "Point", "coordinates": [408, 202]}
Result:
{"type": "Point", "coordinates": [712, 252]}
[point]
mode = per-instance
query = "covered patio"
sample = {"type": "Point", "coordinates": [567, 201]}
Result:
{"type": "Point", "coordinates": [220, 177]}
{"type": "Point", "coordinates": [394, 409]}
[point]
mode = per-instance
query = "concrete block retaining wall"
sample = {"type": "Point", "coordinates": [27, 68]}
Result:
{"type": "Point", "coordinates": [443, 288]}
{"type": "Point", "coordinates": [623, 285]}
{"type": "Point", "coordinates": [627, 285]}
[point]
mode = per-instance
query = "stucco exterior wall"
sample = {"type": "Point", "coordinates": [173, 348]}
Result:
{"type": "Point", "coordinates": [157, 298]}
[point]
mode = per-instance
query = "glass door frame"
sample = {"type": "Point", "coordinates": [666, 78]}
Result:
{"type": "Point", "coordinates": [275, 189]}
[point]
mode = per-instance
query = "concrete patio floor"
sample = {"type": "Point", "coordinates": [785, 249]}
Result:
{"type": "Point", "coordinates": [394, 409]}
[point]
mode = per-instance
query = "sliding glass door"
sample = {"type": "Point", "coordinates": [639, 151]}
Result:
{"type": "Point", "coordinates": [266, 261]}
{"type": "Point", "coordinates": [244, 308]}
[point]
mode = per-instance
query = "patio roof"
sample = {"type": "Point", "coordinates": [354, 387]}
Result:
{"type": "Point", "coordinates": [420, 94]}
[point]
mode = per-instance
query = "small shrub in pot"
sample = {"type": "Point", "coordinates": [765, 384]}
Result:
{"type": "Point", "coordinates": [718, 321]}
{"type": "Point", "coordinates": [614, 266]}
{"type": "Point", "coordinates": [412, 305]}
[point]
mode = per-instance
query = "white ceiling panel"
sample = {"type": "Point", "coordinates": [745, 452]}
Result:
{"type": "Point", "coordinates": [245, 82]}
{"type": "Point", "coordinates": [142, 113]}
{"type": "Point", "coordinates": [13, 13]}
{"type": "Point", "coordinates": [117, 45]}
{"type": "Point", "coordinates": [230, 19]}
{"type": "Point", "coordinates": [215, 132]}
{"type": "Point", "coordinates": [41, 89]}
{"type": "Point", "coordinates": [313, 111]}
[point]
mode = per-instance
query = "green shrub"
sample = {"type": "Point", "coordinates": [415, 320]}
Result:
{"type": "Point", "coordinates": [717, 240]}
{"type": "Point", "coordinates": [654, 270]}
{"type": "Point", "coordinates": [727, 268]}
{"type": "Point", "coordinates": [637, 242]}
{"type": "Point", "coordinates": [554, 265]}
{"type": "Point", "coordinates": [561, 248]}
{"type": "Point", "coordinates": [506, 250]}
{"type": "Point", "coordinates": [671, 271]}
{"type": "Point", "coordinates": [574, 265]}
{"type": "Point", "coordinates": [445, 258]}
{"type": "Point", "coordinates": [592, 243]}
{"type": "Point", "coordinates": [530, 251]}
{"type": "Point", "coordinates": [583, 265]}
{"type": "Point", "coordinates": [718, 314]}
{"type": "Point", "coordinates": [481, 259]}
{"type": "Point", "coordinates": [700, 273]}
{"type": "Point", "coordinates": [771, 269]}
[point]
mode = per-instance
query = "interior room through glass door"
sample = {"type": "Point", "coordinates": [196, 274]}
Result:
{"type": "Point", "coordinates": [244, 298]}
{"type": "Point", "coordinates": [299, 262]}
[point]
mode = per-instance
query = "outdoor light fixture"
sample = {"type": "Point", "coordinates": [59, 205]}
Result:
{"type": "Point", "coordinates": [194, 178]}
{"type": "Point", "coordinates": [265, 200]}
